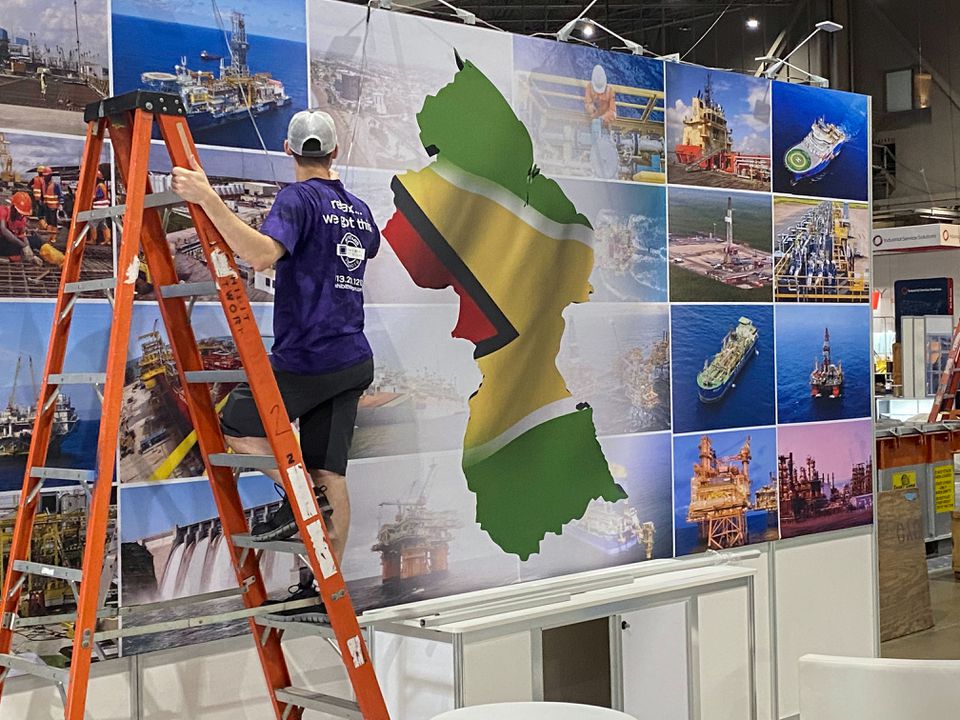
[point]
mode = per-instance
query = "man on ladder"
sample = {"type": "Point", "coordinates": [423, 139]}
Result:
{"type": "Point", "coordinates": [320, 237]}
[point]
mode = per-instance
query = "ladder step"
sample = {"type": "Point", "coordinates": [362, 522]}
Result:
{"type": "Point", "coordinates": [49, 571]}
{"type": "Point", "coordinates": [189, 289]}
{"type": "Point", "coordinates": [153, 200]}
{"type": "Point", "coordinates": [29, 667]}
{"type": "Point", "coordinates": [338, 707]}
{"type": "Point", "coordinates": [77, 378]}
{"type": "Point", "coordinates": [244, 462]}
{"type": "Point", "coordinates": [55, 473]}
{"type": "Point", "coordinates": [286, 622]}
{"type": "Point", "coordinates": [91, 285]}
{"type": "Point", "coordinates": [245, 540]}
{"type": "Point", "coordinates": [212, 376]}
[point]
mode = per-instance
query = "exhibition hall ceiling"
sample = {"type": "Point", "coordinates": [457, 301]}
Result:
{"type": "Point", "coordinates": [531, 16]}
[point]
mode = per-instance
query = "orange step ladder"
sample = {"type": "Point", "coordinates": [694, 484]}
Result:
{"type": "Point", "coordinates": [129, 121]}
{"type": "Point", "coordinates": [945, 401]}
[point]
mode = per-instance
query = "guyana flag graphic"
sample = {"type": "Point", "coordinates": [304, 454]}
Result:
{"type": "Point", "coordinates": [481, 219]}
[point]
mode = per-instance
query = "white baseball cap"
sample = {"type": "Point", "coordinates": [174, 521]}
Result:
{"type": "Point", "coordinates": [312, 125]}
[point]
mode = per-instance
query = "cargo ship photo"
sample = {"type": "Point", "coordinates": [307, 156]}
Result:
{"type": "Point", "coordinates": [719, 374]}
{"type": "Point", "coordinates": [232, 94]}
{"type": "Point", "coordinates": [826, 380]}
{"type": "Point", "coordinates": [816, 151]}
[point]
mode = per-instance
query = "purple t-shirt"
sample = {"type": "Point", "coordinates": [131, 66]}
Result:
{"type": "Point", "coordinates": [329, 235]}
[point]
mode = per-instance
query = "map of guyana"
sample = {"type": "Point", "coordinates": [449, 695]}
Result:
{"type": "Point", "coordinates": [481, 219]}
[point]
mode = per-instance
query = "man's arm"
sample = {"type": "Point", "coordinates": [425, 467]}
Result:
{"type": "Point", "coordinates": [7, 234]}
{"type": "Point", "coordinates": [260, 250]}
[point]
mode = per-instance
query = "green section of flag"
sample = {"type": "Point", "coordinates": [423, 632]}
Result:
{"type": "Point", "coordinates": [541, 481]}
{"type": "Point", "coordinates": [473, 126]}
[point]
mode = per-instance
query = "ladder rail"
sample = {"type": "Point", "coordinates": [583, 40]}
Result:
{"type": "Point", "coordinates": [945, 398]}
{"type": "Point", "coordinates": [97, 521]}
{"type": "Point", "coordinates": [292, 469]}
{"type": "Point", "coordinates": [129, 119]}
{"type": "Point", "coordinates": [46, 404]}
{"type": "Point", "coordinates": [205, 420]}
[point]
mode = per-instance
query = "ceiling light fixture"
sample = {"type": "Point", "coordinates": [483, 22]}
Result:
{"type": "Point", "coordinates": [779, 63]}
{"type": "Point", "coordinates": [753, 24]}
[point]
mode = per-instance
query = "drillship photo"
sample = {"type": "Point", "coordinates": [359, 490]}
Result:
{"type": "Point", "coordinates": [240, 68]}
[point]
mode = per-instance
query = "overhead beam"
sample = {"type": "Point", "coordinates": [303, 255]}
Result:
{"type": "Point", "coordinates": [776, 48]}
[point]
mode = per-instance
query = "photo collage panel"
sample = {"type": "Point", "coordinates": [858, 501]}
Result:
{"type": "Point", "coordinates": [620, 311]}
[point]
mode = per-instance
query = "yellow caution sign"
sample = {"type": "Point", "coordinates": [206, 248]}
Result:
{"type": "Point", "coordinates": [905, 479]}
{"type": "Point", "coordinates": [944, 494]}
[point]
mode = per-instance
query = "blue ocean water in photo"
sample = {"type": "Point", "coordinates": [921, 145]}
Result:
{"type": "Point", "coordinates": [795, 109]}
{"type": "Point", "coordinates": [697, 332]}
{"type": "Point", "coordinates": [78, 451]}
{"type": "Point", "coordinates": [761, 527]}
{"type": "Point", "coordinates": [628, 218]}
{"type": "Point", "coordinates": [285, 60]}
{"type": "Point", "coordinates": [800, 341]}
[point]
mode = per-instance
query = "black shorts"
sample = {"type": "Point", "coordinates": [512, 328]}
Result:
{"type": "Point", "coordinates": [326, 406]}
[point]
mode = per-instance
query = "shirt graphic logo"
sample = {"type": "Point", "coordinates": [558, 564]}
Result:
{"type": "Point", "coordinates": [351, 251]}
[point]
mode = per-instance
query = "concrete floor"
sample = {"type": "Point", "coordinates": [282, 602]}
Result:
{"type": "Point", "coordinates": [942, 641]}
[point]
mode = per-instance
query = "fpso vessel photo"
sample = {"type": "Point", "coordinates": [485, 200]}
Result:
{"type": "Point", "coordinates": [719, 373]}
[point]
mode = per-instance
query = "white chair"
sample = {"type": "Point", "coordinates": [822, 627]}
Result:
{"type": "Point", "coordinates": [848, 688]}
{"type": "Point", "coordinates": [533, 711]}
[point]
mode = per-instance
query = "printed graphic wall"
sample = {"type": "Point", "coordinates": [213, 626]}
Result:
{"type": "Point", "coordinates": [620, 313]}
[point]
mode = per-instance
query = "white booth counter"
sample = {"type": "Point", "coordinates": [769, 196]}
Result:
{"type": "Point", "coordinates": [540, 641]}
{"type": "Point", "coordinates": [712, 637]}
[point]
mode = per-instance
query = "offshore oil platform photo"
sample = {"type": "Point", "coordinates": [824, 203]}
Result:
{"type": "Point", "coordinates": [50, 68]}
{"type": "Point", "coordinates": [726, 505]}
{"type": "Point", "coordinates": [820, 252]}
{"type": "Point", "coordinates": [646, 380]}
{"type": "Point", "coordinates": [718, 133]}
{"type": "Point", "coordinates": [413, 539]}
{"type": "Point", "coordinates": [826, 380]}
{"type": "Point", "coordinates": [824, 363]}
{"type": "Point", "coordinates": [616, 357]}
{"type": "Point", "coordinates": [17, 419]}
